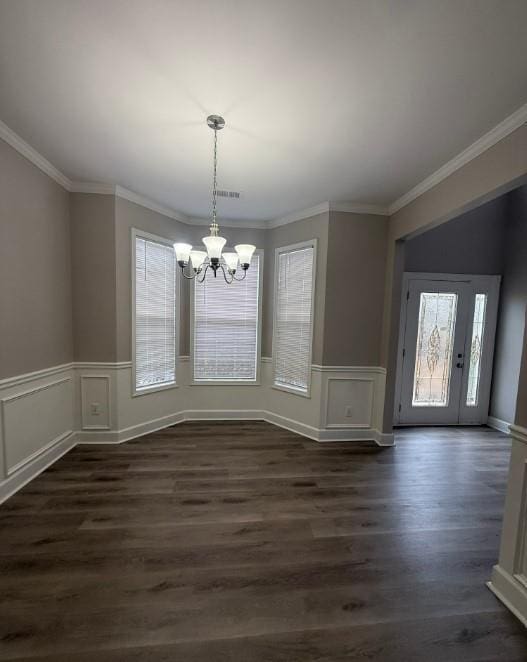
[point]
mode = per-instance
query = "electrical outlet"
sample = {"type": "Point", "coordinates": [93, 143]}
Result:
{"type": "Point", "coordinates": [348, 412]}
{"type": "Point", "coordinates": [96, 408]}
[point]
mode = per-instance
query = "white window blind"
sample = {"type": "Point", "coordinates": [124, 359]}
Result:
{"type": "Point", "coordinates": [293, 318]}
{"type": "Point", "coordinates": [155, 314]}
{"type": "Point", "coordinates": [225, 334]}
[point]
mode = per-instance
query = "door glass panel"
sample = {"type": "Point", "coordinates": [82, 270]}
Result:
{"type": "Point", "coordinates": [435, 340]}
{"type": "Point", "coordinates": [478, 328]}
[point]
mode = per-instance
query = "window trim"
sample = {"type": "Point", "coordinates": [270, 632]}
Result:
{"type": "Point", "coordinates": [136, 233]}
{"type": "Point", "coordinates": [310, 243]}
{"type": "Point", "coordinates": [231, 382]}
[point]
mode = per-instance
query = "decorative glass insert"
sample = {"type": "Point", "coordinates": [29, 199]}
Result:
{"type": "Point", "coordinates": [435, 341]}
{"type": "Point", "coordinates": [478, 329]}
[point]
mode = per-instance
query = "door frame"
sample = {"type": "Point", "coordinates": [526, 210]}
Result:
{"type": "Point", "coordinates": [488, 283]}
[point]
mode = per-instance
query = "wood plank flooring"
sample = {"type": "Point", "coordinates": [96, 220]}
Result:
{"type": "Point", "coordinates": [243, 542]}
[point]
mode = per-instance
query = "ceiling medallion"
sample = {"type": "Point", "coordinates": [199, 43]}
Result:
{"type": "Point", "coordinates": [196, 263]}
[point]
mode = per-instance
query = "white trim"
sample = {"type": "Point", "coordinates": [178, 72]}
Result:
{"type": "Point", "coordinates": [489, 139]}
{"type": "Point", "coordinates": [518, 433]}
{"type": "Point", "coordinates": [31, 154]}
{"type": "Point", "coordinates": [498, 424]}
{"type": "Point", "coordinates": [299, 215]}
{"type": "Point", "coordinates": [227, 223]}
{"type": "Point", "coordinates": [100, 365]}
{"type": "Point", "coordinates": [348, 368]}
{"type": "Point", "coordinates": [509, 591]}
{"type": "Point", "coordinates": [223, 415]}
{"type": "Point", "coordinates": [350, 426]}
{"type": "Point", "coordinates": [38, 374]}
{"type": "Point", "coordinates": [97, 188]}
{"type": "Point", "coordinates": [359, 208]}
{"type": "Point", "coordinates": [143, 201]}
{"type": "Point", "coordinates": [33, 467]}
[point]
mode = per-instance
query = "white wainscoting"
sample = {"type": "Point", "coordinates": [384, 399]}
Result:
{"type": "Point", "coordinates": [45, 413]}
{"type": "Point", "coordinates": [509, 576]}
{"type": "Point", "coordinates": [37, 424]}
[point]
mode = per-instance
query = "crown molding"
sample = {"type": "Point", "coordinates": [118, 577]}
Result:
{"type": "Point", "coordinates": [143, 201]}
{"type": "Point", "coordinates": [299, 215]}
{"type": "Point", "coordinates": [358, 208]}
{"type": "Point", "coordinates": [24, 148]}
{"type": "Point", "coordinates": [230, 223]}
{"type": "Point", "coordinates": [500, 131]}
{"type": "Point", "coordinates": [93, 187]}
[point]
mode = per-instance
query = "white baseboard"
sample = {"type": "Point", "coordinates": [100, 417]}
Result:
{"type": "Point", "coordinates": [36, 466]}
{"type": "Point", "coordinates": [510, 592]}
{"type": "Point", "coordinates": [498, 424]}
{"type": "Point", "coordinates": [104, 437]}
{"type": "Point", "coordinates": [223, 415]}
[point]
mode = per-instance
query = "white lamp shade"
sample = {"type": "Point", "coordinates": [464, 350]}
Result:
{"type": "Point", "coordinates": [182, 252]}
{"type": "Point", "coordinates": [245, 252]}
{"type": "Point", "coordinates": [231, 260]}
{"type": "Point", "coordinates": [214, 246]}
{"type": "Point", "coordinates": [197, 258]}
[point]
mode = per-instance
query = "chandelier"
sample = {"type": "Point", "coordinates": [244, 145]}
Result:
{"type": "Point", "coordinates": [196, 263]}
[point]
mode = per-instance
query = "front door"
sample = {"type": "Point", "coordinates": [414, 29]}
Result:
{"type": "Point", "coordinates": [447, 344]}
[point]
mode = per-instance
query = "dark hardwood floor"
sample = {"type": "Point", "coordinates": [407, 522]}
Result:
{"type": "Point", "coordinates": [242, 542]}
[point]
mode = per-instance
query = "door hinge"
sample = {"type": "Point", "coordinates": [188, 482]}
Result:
{"type": "Point", "coordinates": [399, 407]}
{"type": "Point", "coordinates": [404, 352]}
{"type": "Point", "coordinates": [407, 295]}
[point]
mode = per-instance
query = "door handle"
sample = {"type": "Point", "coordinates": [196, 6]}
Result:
{"type": "Point", "coordinates": [459, 365]}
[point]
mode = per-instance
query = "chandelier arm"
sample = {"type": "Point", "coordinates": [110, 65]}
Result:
{"type": "Point", "coordinates": [200, 280]}
{"type": "Point", "coordinates": [225, 275]}
{"type": "Point", "coordinates": [191, 277]}
{"type": "Point", "coordinates": [242, 278]}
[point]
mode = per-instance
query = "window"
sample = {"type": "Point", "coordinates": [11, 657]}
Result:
{"type": "Point", "coordinates": [293, 320]}
{"type": "Point", "coordinates": [226, 327]}
{"type": "Point", "coordinates": [478, 331]}
{"type": "Point", "coordinates": [154, 313]}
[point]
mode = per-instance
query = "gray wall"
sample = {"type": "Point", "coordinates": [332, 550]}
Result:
{"type": "Point", "coordinates": [93, 269]}
{"type": "Point", "coordinates": [356, 263]}
{"type": "Point", "coordinates": [35, 268]}
{"type": "Point", "coordinates": [469, 244]}
{"type": "Point", "coordinates": [511, 316]}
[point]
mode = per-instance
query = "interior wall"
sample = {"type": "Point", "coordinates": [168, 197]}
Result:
{"type": "Point", "coordinates": [93, 270]}
{"type": "Point", "coordinates": [356, 263]}
{"type": "Point", "coordinates": [35, 268]}
{"type": "Point", "coordinates": [511, 314]}
{"type": "Point", "coordinates": [469, 244]}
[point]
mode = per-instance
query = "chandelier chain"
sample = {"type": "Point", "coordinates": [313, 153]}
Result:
{"type": "Point", "coordinates": [214, 226]}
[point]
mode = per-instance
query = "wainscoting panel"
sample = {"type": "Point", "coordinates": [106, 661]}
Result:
{"type": "Point", "coordinates": [95, 402]}
{"type": "Point", "coordinates": [349, 402]}
{"type": "Point", "coordinates": [35, 417]}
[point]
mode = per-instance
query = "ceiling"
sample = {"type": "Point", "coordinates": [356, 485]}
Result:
{"type": "Point", "coordinates": [337, 100]}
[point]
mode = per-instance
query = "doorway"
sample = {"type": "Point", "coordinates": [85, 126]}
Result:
{"type": "Point", "coordinates": [446, 349]}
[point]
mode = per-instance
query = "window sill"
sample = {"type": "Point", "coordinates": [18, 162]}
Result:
{"type": "Point", "coordinates": [153, 389]}
{"type": "Point", "coordinates": [292, 390]}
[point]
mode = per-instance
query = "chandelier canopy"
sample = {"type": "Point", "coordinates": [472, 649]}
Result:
{"type": "Point", "coordinates": [196, 263]}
